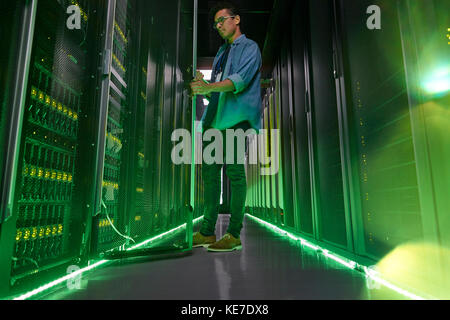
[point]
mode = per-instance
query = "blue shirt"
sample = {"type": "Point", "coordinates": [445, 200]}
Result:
{"type": "Point", "coordinates": [243, 69]}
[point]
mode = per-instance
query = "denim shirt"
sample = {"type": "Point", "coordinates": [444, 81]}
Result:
{"type": "Point", "coordinates": [243, 69]}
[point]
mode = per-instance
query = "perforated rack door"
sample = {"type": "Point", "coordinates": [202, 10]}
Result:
{"type": "Point", "coordinates": [55, 97]}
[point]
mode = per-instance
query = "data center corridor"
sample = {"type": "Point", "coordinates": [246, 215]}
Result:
{"type": "Point", "coordinates": [269, 267]}
{"type": "Point", "coordinates": [347, 180]}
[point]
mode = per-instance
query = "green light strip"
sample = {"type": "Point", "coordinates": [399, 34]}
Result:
{"type": "Point", "coordinates": [162, 235]}
{"type": "Point", "coordinates": [60, 280]}
{"type": "Point", "coordinates": [345, 262]}
{"type": "Point", "coordinates": [95, 265]}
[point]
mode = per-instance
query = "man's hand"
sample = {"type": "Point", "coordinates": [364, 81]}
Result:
{"type": "Point", "coordinates": [200, 87]}
{"type": "Point", "coordinates": [198, 76]}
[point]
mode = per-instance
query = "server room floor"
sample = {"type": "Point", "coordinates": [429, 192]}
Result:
{"type": "Point", "coordinates": [269, 267]}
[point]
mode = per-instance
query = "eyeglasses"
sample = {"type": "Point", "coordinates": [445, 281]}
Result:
{"type": "Point", "coordinates": [221, 20]}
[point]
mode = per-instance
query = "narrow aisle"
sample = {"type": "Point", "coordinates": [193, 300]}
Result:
{"type": "Point", "coordinates": [268, 267]}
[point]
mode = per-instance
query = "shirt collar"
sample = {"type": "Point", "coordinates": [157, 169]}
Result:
{"type": "Point", "coordinates": [242, 37]}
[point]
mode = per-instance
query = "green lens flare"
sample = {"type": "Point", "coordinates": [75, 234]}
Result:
{"type": "Point", "coordinates": [438, 83]}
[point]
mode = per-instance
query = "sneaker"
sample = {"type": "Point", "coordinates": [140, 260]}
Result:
{"type": "Point", "coordinates": [227, 243]}
{"type": "Point", "coordinates": [199, 240]}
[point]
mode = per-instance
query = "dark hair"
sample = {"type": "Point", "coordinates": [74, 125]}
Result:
{"type": "Point", "coordinates": [231, 7]}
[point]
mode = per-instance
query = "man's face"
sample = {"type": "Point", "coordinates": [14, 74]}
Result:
{"type": "Point", "coordinates": [228, 27]}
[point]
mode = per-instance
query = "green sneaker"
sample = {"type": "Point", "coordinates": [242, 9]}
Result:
{"type": "Point", "coordinates": [227, 243]}
{"type": "Point", "coordinates": [199, 240]}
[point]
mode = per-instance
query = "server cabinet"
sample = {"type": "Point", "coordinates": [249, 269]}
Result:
{"type": "Point", "coordinates": [380, 122]}
{"type": "Point", "coordinates": [121, 34]}
{"type": "Point", "coordinates": [265, 182]}
{"type": "Point", "coordinates": [137, 38]}
{"type": "Point", "coordinates": [16, 29]}
{"type": "Point", "coordinates": [46, 232]}
{"type": "Point", "coordinates": [168, 109]}
{"type": "Point", "coordinates": [268, 196]}
{"type": "Point", "coordinates": [332, 220]}
{"type": "Point", "coordinates": [301, 165]}
{"type": "Point", "coordinates": [425, 36]}
{"type": "Point", "coordinates": [138, 216]}
{"type": "Point", "coordinates": [427, 71]}
{"type": "Point", "coordinates": [274, 124]}
{"type": "Point", "coordinates": [286, 131]}
{"type": "Point", "coordinates": [13, 77]}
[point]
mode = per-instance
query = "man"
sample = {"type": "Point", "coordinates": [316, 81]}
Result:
{"type": "Point", "coordinates": [235, 103]}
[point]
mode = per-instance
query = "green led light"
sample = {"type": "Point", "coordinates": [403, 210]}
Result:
{"type": "Point", "coordinates": [162, 235]}
{"type": "Point", "coordinates": [58, 281]}
{"type": "Point", "coordinates": [288, 234]}
{"type": "Point", "coordinates": [92, 266]}
{"type": "Point", "coordinates": [394, 287]}
{"type": "Point", "coordinates": [309, 245]}
{"type": "Point", "coordinates": [347, 263]}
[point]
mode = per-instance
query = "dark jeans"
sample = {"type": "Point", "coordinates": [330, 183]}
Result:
{"type": "Point", "coordinates": [212, 185]}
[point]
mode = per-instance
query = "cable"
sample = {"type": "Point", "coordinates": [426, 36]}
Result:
{"type": "Point", "coordinates": [27, 259]}
{"type": "Point", "coordinates": [112, 225]}
{"type": "Point", "coordinates": [84, 30]}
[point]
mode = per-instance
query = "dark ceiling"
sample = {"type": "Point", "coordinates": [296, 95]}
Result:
{"type": "Point", "coordinates": [255, 16]}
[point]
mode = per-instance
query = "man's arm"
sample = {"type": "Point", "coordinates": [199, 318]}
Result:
{"type": "Point", "coordinates": [248, 66]}
{"type": "Point", "coordinates": [203, 88]}
{"type": "Point", "coordinates": [223, 86]}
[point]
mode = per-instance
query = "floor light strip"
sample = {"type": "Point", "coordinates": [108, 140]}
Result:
{"type": "Point", "coordinates": [163, 234]}
{"type": "Point", "coordinates": [349, 264]}
{"type": "Point", "coordinates": [58, 281]}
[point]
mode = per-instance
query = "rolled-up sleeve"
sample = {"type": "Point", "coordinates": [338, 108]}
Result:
{"type": "Point", "coordinates": [248, 66]}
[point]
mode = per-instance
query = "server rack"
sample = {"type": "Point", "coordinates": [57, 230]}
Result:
{"type": "Point", "coordinates": [17, 26]}
{"type": "Point", "coordinates": [277, 211]}
{"type": "Point", "coordinates": [85, 147]}
{"type": "Point", "coordinates": [381, 121]}
{"type": "Point", "coordinates": [167, 202]}
{"type": "Point", "coordinates": [121, 33]}
{"type": "Point", "coordinates": [44, 222]}
{"type": "Point", "coordinates": [423, 30]}
{"type": "Point", "coordinates": [366, 128]}
{"type": "Point", "coordinates": [161, 104]}
{"type": "Point", "coordinates": [301, 112]}
{"type": "Point", "coordinates": [136, 206]}
{"type": "Point", "coordinates": [182, 113]}
{"type": "Point", "coordinates": [286, 117]}
{"type": "Point", "coordinates": [330, 213]}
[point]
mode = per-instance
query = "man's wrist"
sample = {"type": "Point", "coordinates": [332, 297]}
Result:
{"type": "Point", "coordinates": [209, 88]}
